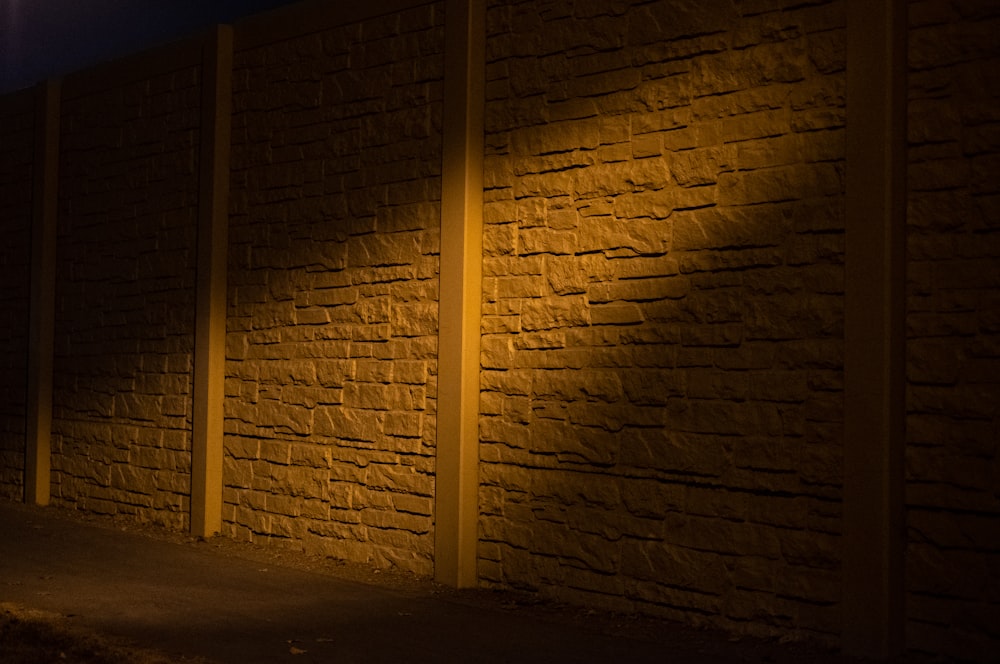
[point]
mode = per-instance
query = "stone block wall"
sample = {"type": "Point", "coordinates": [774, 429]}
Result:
{"type": "Point", "coordinates": [128, 186]}
{"type": "Point", "coordinates": [16, 157]}
{"type": "Point", "coordinates": [953, 330]}
{"type": "Point", "coordinates": [661, 414]}
{"type": "Point", "coordinates": [333, 281]}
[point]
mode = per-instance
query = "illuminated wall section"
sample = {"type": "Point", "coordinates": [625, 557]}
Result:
{"type": "Point", "coordinates": [953, 327]}
{"type": "Point", "coordinates": [663, 309]}
{"type": "Point", "coordinates": [16, 153]}
{"type": "Point", "coordinates": [121, 433]}
{"type": "Point", "coordinates": [333, 280]}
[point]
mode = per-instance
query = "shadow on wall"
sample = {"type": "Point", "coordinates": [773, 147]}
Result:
{"type": "Point", "coordinates": [663, 411]}
{"type": "Point", "coordinates": [333, 290]}
{"type": "Point", "coordinates": [16, 154]}
{"type": "Point", "coordinates": [663, 309]}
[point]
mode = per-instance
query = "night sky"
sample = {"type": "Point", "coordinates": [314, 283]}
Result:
{"type": "Point", "coordinates": [42, 39]}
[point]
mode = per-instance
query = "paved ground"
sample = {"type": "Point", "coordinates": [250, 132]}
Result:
{"type": "Point", "coordinates": [189, 598]}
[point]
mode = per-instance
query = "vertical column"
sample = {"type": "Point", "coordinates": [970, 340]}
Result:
{"type": "Point", "coordinates": [874, 333]}
{"type": "Point", "coordinates": [41, 325]}
{"type": "Point", "coordinates": [210, 321]}
{"type": "Point", "coordinates": [457, 469]}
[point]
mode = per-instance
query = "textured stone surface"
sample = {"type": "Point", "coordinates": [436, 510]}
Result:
{"type": "Point", "coordinates": [664, 238]}
{"type": "Point", "coordinates": [332, 343]}
{"type": "Point", "coordinates": [125, 297]}
{"type": "Point", "coordinates": [661, 407]}
{"type": "Point", "coordinates": [953, 329]}
{"type": "Point", "coordinates": [16, 156]}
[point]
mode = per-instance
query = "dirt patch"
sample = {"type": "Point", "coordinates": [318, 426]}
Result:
{"type": "Point", "coordinates": [30, 636]}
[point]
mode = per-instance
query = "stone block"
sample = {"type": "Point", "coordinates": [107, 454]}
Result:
{"type": "Point", "coordinates": [333, 373]}
{"type": "Point", "coordinates": [554, 312]}
{"type": "Point", "coordinates": [816, 551]}
{"type": "Point", "coordinates": [949, 637]}
{"type": "Point", "coordinates": [675, 453]}
{"type": "Point", "coordinates": [714, 384]}
{"type": "Point", "coordinates": [660, 561]}
{"type": "Point", "coordinates": [570, 488]}
{"type": "Point", "coordinates": [612, 418]}
{"type": "Point", "coordinates": [643, 146]}
{"type": "Point", "coordinates": [298, 481]}
{"type": "Point", "coordinates": [546, 241]}
{"type": "Point", "coordinates": [616, 314]}
{"type": "Point", "coordinates": [367, 396]}
{"type": "Point", "coordinates": [407, 397]}
{"type": "Point", "coordinates": [605, 83]}
{"type": "Point", "coordinates": [412, 504]}
{"type": "Point", "coordinates": [414, 319]}
{"type": "Point", "coordinates": [657, 24]}
{"type": "Point", "coordinates": [782, 183]}
{"type": "Point", "coordinates": [309, 397]}
{"type": "Point", "coordinates": [511, 434]}
{"type": "Point", "coordinates": [404, 424]}
{"type": "Point", "coordinates": [809, 354]}
{"type": "Point", "coordinates": [557, 137]}
{"type": "Point", "coordinates": [639, 267]}
{"type": "Point", "coordinates": [579, 385]}
{"type": "Point", "coordinates": [242, 448]}
{"type": "Point", "coordinates": [640, 290]}
{"type": "Point", "coordinates": [512, 382]}
{"type": "Point", "coordinates": [948, 573]}
{"type": "Point", "coordinates": [576, 549]}
{"type": "Point", "coordinates": [652, 499]}
{"type": "Point", "coordinates": [496, 352]}
{"type": "Point", "coordinates": [286, 373]}
{"type": "Point", "coordinates": [520, 286]}
{"type": "Point", "coordinates": [133, 479]}
{"type": "Point", "coordinates": [666, 600]}
{"type": "Point", "coordinates": [635, 237]}
{"type": "Point", "coordinates": [410, 372]}
{"type": "Point", "coordinates": [728, 228]}
{"type": "Point", "coordinates": [384, 250]}
{"type": "Point", "coordinates": [348, 424]}
{"type": "Point", "coordinates": [283, 418]}
{"type": "Point", "coordinates": [569, 275]}
{"type": "Point", "coordinates": [593, 444]}
{"type": "Point", "coordinates": [386, 519]}
{"type": "Point", "coordinates": [946, 529]}
{"type": "Point", "coordinates": [236, 473]}
{"type": "Point", "coordinates": [715, 336]}
{"type": "Point", "coordinates": [545, 340]}
{"type": "Point", "coordinates": [652, 386]}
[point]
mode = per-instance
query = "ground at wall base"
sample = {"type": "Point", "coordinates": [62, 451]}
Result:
{"type": "Point", "coordinates": [20, 626]}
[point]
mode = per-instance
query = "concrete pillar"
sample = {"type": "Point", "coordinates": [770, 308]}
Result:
{"type": "Point", "coordinates": [874, 329]}
{"type": "Point", "coordinates": [210, 322]}
{"type": "Point", "coordinates": [457, 473]}
{"type": "Point", "coordinates": [41, 324]}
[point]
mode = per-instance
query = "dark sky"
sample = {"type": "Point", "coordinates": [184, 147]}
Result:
{"type": "Point", "coordinates": [40, 39]}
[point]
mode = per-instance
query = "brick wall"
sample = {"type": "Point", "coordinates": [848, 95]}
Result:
{"type": "Point", "coordinates": [662, 351]}
{"type": "Point", "coordinates": [332, 327]}
{"type": "Point", "coordinates": [16, 150]}
{"type": "Point", "coordinates": [953, 327]}
{"type": "Point", "coordinates": [125, 297]}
